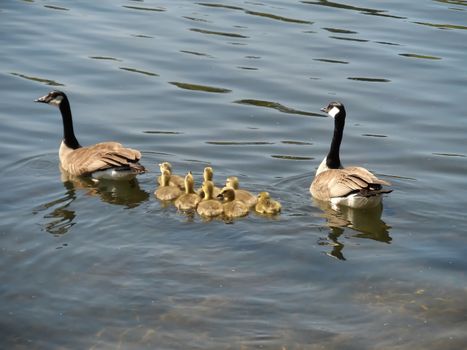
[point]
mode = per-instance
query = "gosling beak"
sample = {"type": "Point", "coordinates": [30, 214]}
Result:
{"type": "Point", "coordinates": [220, 196]}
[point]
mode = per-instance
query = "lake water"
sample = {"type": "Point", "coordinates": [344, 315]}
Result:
{"type": "Point", "coordinates": [237, 85]}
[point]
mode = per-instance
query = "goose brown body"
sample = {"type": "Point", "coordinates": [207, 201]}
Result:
{"type": "Point", "coordinates": [354, 187]}
{"type": "Point", "coordinates": [102, 160]}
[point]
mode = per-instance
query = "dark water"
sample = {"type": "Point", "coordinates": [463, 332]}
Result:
{"type": "Point", "coordinates": [237, 85]}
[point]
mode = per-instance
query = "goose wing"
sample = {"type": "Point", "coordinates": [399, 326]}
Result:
{"type": "Point", "coordinates": [101, 156]}
{"type": "Point", "coordinates": [342, 182]}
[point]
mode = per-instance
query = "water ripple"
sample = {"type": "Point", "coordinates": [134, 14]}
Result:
{"type": "Point", "coordinates": [205, 88]}
{"type": "Point", "coordinates": [104, 58]}
{"type": "Point", "coordinates": [238, 143]}
{"type": "Point", "coordinates": [40, 80]}
{"type": "Point", "coordinates": [330, 61]}
{"type": "Point", "coordinates": [56, 8]}
{"type": "Point", "coordinates": [276, 106]}
{"type": "Point", "coordinates": [285, 157]}
{"type": "Point", "coordinates": [413, 55]}
{"type": "Point", "coordinates": [256, 13]}
{"type": "Point", "coordinates": [442, 26]}
{"type": "Point", "coordinates": [139, 71]}
{"type": "Point", "coordinates": [364, 10]}
{"type": "Point", "coordinates": [211, 32]}
{"type": "Point", "coordinates": [154, 9]}
{"type": "Point", "coordinates": [371, 80]}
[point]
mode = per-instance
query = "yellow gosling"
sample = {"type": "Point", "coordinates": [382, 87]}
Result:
{"type": "Point", "coordinates": [208, 175]}
{"type": "Point", "coordinates": [233, 208]}
{"type": "Point", "coordinates": [175, 180]}
{"type": "Point", "coordinates": [209, 207]}
{"type": "Point", "coordinates": [242, 195]}
{"type": "Point", "coordinates": [189, 200]}
{"type": "Point", "coordinates": [165, 192]}
{"type": "Point", "coordinates": [266, 205]}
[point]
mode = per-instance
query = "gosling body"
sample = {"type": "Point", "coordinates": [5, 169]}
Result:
{"type": "Point", "coordinates": [209, 207]}
{"type": "Point", "coordinates": [233, 208]}
{"type": "Point", "coordinates": [189, 200]}
{"type": "Point", "coordinates": [165, 192]}
{"type": "Point", "coordinates": [266, 205]}
{"type": "Point", "coordinates": [175, 180]}
{"type": "Point", "coordinates": [242, 195]}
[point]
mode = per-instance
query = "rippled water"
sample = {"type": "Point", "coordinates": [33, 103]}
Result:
{"type": "Point", "coordinates": [237, 85]}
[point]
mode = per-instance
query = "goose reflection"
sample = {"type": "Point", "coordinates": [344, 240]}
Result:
{"type": "Point", "coordinates": [126, 193]}
{"type": "Point", "coordinates": [60, 218]}
{"type": "Point", "coordinates": [366, 222]}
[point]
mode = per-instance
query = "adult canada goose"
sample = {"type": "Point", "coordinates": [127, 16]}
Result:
{"type": "Point", "coordinates": [209, 207]}
{"type": "Point", "coordinates": [165, 192]}
{"type": "Point", "coordinates": [189, 200]}
{"type": "Point", "coordinates": [354, 187]}
{"type": "Point", "coordinates": [208, 175]}
{"type": "Point", "coordinates": [233, 208]}
{"type": "Point", "coordinates": [266, 205]}
{"type": "Point", "coordinates": [175, 180]}
{"type": "Point", "coordinates": [106, 160]}
{"type": "Point", "coordinates": [242, 195]}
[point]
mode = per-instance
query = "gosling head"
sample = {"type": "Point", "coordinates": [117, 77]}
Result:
{"type": "Point", "coordinates": [189, 183]}
{"type": "Point", "coordinates": [232, 181]}
{"type": "Point", "coordinates": [227, 194]}
{"type": "Point", "coordinates": [165, 166]}
{"type": "Point", "coordinates": [334, 109]}
{"type": "Point", "coordinates": [263, 196]}
{"type": "Point", "coordinates": [208, 174]}
{"type": "Point", "coordinates": [53, 98]}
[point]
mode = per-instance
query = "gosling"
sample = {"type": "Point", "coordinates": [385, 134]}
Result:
{"type": "Point", "coordinates": [189, 200]}
{"type": "Point", "coordinates": [233, 208]}
{"type": "Point", "coordinates": [242, 195]}
{"type": "Point", "coordinates": [175, 180]}
{"type": "Point", "coordinates": [165, 192]}
{"type": "Point", "coordinates": [266, 205]}
{"type": "Point", "coordinates": [209, 207]}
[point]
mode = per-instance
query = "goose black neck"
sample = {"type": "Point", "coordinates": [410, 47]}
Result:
{"type": "Point", "coordinates": [68, 134]}
{"type": "Point", "coordinates": [332, 160]}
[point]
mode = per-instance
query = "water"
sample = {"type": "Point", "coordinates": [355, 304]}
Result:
{"type": "Point", "coordinates": [237, 85]}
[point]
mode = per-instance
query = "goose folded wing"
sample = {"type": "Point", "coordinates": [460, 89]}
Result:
{"type": "Point", "coordinates": [102, 156]}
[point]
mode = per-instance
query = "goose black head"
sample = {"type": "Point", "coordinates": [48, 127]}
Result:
{"type": "Point", "coordinates": [334, 109]}
{"type": "Point", "coordinates": [52, 98]}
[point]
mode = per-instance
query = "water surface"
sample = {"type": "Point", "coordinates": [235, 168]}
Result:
{"type": "Point", "coordinates": [236, 85]}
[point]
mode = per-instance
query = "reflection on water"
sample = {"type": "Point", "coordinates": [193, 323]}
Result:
{"type": "Point", "coordinates": [366, 222]}
{"type": "Point", "coordinates": [126, 193]}
{"type": "Point", "coordinates": [61, 218]}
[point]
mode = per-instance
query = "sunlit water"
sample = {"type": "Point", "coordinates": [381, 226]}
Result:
{"type": "Point", "coordinates": [237, 85]}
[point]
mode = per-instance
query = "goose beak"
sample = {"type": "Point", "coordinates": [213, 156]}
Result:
{"type": "Point", "coordinates": [324, 109]}
{"type": "Point", "coordinates": [41, 99]}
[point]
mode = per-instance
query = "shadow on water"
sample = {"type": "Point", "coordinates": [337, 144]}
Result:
{"type": "Point", "coordinates": [61, 218]}
{"type": "Point", "coordinates": [366, 222]}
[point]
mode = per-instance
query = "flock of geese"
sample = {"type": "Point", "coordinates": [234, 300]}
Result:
{"type": "Point", "coordinates": [354, 187]}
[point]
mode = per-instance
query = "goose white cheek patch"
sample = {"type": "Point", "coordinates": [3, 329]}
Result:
{"type": "Point", "coordinates": [56, 101]}
{"type": "Point", "coordinates": [333, 112]}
